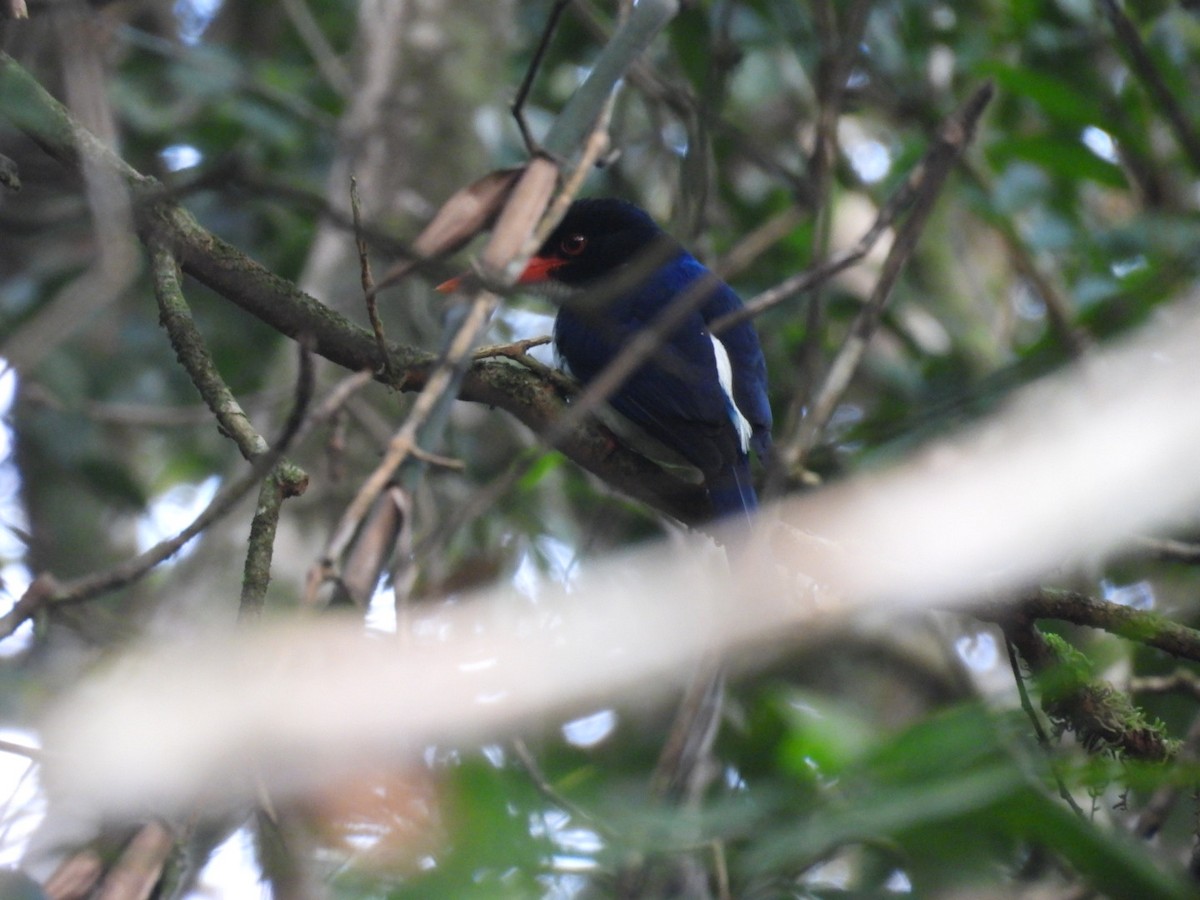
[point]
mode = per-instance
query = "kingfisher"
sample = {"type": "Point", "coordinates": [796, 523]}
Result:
{"type": "Point", "coordinates": [702, 395]}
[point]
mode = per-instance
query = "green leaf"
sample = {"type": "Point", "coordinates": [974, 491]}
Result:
{"type": "Point", "coordinates": [1111, 861]}
{"type": "Point", "coordinates": [1060, 99]}
{"type": "Point", "coordinates": [821, 734]}
{"type": "Point", "coordinates": [492, 852]}
{"type": "Point", "coordinates": [1068, 159]}
{"type": "Point", "coordinates": [546, 463]}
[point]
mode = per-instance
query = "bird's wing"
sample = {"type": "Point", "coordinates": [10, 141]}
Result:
{"type": "Point", "coordinates": [676, 396]}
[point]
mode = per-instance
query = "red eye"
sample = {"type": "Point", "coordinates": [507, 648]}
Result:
{"type": "Point", "coordinates": [573, 244]}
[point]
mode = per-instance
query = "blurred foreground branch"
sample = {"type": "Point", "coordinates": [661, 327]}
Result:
{"type": "Point", "coordinates": [991, 511]}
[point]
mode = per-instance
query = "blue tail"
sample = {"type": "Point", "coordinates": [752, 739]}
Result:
{"type": "Point", "coordinates": [731, 491]}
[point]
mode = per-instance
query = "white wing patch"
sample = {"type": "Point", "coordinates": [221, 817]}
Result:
{"type": "Point", "coordinates": [725, 377]}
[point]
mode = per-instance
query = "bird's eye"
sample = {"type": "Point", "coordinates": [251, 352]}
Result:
{"type": "Point", "coordinates": [573, 244]}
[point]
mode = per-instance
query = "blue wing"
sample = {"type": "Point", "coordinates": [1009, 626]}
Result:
{"type": "Point", "coordinates": [677, 396]}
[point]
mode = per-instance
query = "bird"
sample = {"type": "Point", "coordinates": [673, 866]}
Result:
{"type": "Point", "coordinates": [614, 271]}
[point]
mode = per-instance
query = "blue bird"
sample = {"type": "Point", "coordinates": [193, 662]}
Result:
{"type": "Point", "coordinates": [704, 396]}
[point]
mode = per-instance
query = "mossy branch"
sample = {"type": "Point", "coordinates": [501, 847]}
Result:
{"type": "Point", "coordinates": [1072, 694]}
{"type": "Point", "coordinates": [531, 397]}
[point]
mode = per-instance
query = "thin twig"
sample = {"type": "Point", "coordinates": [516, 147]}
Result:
{"type": "Point", "coordinates": [1156, 86]}
{"type": "Point", "coordinates": [952, 139]}
{"type": "Point", "coordinates": [243, 80]}
{"type": "Point", "coordinates": [684, 767]}
{"type": "Point", "coordinates": [547, 790]}
{"type": "Point", "coordinates": [1058, 307]}
{"type": "Point", "coordinates": [895, 206]}
{"type": "Point", "coordinates": [130, 415]}
{"type": "Point", "coordinates": [40, 592]}
{"type": "Point", "coordinates": [1169, 550]}
{"type": "Point", "coordinates": [837, 59]}
{"type": "Point", "coordinates": [436, 459]}
{"type": "Point", "coordinates": [385, 533]}
{"type": "Point", "coordinates": [368, 286]}
{"type": "Point", "coordinates": [758, 241]}
{"type": "Point", "coordinates": [404, 441]}
{"type": "Point", "coordinates": [339, 395]}
{"type": "Point", "coordinates": [517, 350]}
{"type": "Point", "coordinates": [1042, 738]}
{"type": "Point", "coordinates": [518, 104]}
{"type": "Point", "coordinates": [33, 753]}
{"type": "Point", "coordinates": [720, 869]}
{"type": "Point", "coordinates": [680, 99]}
{"type": "Point", "coordinates": [1182, 680]}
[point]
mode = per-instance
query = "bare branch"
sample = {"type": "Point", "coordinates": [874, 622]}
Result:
{"type": "Point", "coordinates": [517, 350]}
{"type": "Point", "coordinates": [929, 178]}
{"type": "Point", "coordinates": [368, 285]}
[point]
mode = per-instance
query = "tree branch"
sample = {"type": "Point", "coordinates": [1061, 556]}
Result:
{"type": "Point", "coordinates": [193, 355]}
{"type": "Point", "coordinates": [535, 400]}
{"type": "Point", "coordinates": [1138, 625]}
{"type": "Point", "coordinates": [1099, 714]}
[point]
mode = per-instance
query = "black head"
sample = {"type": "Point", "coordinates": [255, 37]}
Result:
{"type": "Point", "coordinates": [595, 238]}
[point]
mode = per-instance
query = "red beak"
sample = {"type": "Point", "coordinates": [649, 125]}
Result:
{"type": "Point", "coordinates": [538, 269]}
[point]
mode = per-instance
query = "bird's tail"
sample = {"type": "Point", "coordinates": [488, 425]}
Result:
{"type": "Point", "coordinates": [732, 491]}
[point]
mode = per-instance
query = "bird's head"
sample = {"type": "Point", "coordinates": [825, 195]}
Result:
{"type": "Point", "coordinates": [596, 239]}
